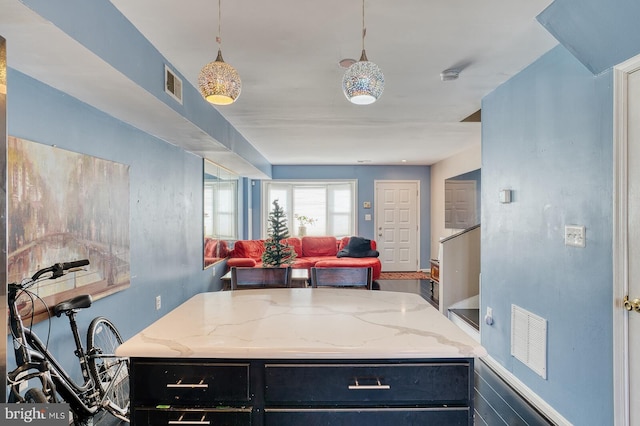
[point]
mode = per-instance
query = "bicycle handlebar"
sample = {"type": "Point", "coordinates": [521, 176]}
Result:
{"type": "Point", "coordinates": [75, 264]}
{"type": "Point", "coordinates": [58, 269]}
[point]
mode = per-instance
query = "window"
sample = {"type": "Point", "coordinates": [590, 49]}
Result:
{"type": "Point", "coordinates": [330, 204]}
{"type": "Point", "coordinates": [220, 201]}
{"type": "Point", "coordinates": [220, 215]}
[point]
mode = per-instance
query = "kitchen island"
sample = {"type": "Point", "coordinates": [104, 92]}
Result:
{"type": "Point", "coordinates": [302, 356]}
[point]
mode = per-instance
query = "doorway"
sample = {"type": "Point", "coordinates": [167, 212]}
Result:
{"type": "Point", "coordinates": [397, 225]}
{"type": "Point", "coordinates": [626, 241]}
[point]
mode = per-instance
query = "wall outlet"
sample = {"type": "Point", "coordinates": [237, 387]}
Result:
{"type": "Point", "coordinates": [488, 318]}
{"type": "Point", "coordinates": [158, 302]}
{"type": "Point", "coordinates": [574, 236]}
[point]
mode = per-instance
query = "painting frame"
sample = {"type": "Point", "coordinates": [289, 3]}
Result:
{"type": "Point", "coordinates": [65, 206]}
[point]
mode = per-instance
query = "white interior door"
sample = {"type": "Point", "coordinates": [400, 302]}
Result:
{"type": "Point", "coordinates": [460, 204]}
{"type": "Point", "coordinates": [626, 247]}
{"type": "Point", "coordinates": [397, 227]}
{"type": "Point", "coordinates": [634, 240]}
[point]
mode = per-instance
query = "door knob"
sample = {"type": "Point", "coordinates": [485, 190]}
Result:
{"type": "Point", "coordinates": [631, 305]}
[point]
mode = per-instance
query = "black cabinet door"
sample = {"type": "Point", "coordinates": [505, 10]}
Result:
{"type": "Point", "coordinates": [189, 384]}
{"type": "Point", "coordinates": [160, 417]}
{"type": "Point", "coordinates": [370, 417]}
{"type": "Point", "coordinates": [367, 384]}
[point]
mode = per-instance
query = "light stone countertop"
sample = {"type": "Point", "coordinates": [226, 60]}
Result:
{"type": "Point", "coordinates": [303, 323]}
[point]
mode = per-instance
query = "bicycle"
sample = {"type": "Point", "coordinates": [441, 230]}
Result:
{"type": "Point", "coordinates": [105, 384]}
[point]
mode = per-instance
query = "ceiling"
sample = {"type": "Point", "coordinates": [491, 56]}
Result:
{"type": "Point", "coordinates": [287, 52]}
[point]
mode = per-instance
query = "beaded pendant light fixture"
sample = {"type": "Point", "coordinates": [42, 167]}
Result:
{"type": "Point", "coordinates": [363, 82]}
{"type": "Point", "coordinates": [219, 82]}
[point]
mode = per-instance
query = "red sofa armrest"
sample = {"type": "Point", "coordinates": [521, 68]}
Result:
{"type": "Point", "coordinates": [241, 261]}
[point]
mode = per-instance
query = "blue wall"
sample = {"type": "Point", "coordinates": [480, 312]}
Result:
{"type": "Point", "coordinates": [100, 27]}
{"type": "Point", "coordinates": [165, 206]}
{"type": "Point", "coordinates": [599, 33]}
{"type": "Point", "coordinates": [547, 135]}
{"type": "Point", "coordinates": [366, 177]}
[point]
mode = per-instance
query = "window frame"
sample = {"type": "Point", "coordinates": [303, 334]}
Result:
{"type": "Point", "coordinates": [217, 182]}
{"type": "Point", "coordinates": [266, 206]}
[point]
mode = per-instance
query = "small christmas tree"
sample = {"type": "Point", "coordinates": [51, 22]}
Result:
{"type": "Point", "coordinates": [276, 253]}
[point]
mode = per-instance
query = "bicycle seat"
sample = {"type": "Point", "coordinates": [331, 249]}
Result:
{"type": "Point", "coordinates": [78, 302]}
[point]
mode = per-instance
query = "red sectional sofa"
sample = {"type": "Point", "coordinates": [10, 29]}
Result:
{"type": "Point", "coordinates": [320, 252]}
{"type": "Point", "coordinates": [214, 250]}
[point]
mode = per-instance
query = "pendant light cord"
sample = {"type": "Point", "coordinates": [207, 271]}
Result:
{"type": "Point", "coordinates": [218, 38]}
{"type": "Point", "coordinates": [364, 29]}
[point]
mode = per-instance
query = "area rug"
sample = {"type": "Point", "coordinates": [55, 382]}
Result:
{"type": "Point", "coordinates": [404, 275]}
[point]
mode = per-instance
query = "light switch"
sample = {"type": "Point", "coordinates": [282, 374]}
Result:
{"type": "Point", "coordinates": [367, 217]}
{"type": "Point", "coordinates": [366, 204]}
{"type": "Point", "coordinates": [505, 196]}
{"type": "Point", "coordinates": [574, 236]}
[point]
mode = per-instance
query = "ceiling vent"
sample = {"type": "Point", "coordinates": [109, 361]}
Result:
{"type": "Point", "coordinates": [172, 84]}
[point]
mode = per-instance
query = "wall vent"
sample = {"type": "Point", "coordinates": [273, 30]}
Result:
{"type": "Point", "coordinates": [172, 84]}
{"type": "Point", "coordinates": [529, 339]}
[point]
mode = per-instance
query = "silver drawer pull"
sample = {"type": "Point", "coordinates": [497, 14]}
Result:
{"type": "Point", "coordinates": [181, 385]}
{"type": "Point", "coordinates": [202, 421]}
{"type": "Point", "coordinates": [378, 386]}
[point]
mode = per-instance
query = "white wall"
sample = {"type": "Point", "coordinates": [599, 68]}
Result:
{"type": "Point", "coordinates": [464, 162]}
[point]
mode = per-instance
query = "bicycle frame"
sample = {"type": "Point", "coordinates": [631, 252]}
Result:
{"type": "Point", "coordinates": [68, 389]}
{"type": "Point", "coordinates": [35, 361]}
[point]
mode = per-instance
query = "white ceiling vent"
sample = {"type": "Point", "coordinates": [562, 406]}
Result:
{"type": "Point", "coordinates": [172, 84]}
{"type": "Point", "coordinates": [529, 339]}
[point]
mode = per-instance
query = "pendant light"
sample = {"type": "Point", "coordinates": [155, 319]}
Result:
{"type": "Point", "coordinates": [219, 82]}
{"type": "Point", "coordinates": [363, 82]}
{"type": "Point", "coordinates": [3, 67]}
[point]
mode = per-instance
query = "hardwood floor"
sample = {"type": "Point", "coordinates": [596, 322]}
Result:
{"type": "Point", "coordinates": [496, 403]}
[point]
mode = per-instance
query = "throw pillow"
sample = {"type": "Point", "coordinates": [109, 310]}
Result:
{"type": "Point", "coordinates": [358, 247]}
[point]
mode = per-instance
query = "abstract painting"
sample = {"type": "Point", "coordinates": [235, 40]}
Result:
{"type": "Point", "coordinates": [65, 206]}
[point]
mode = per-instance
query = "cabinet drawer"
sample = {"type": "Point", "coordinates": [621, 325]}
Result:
{"type": "Point", "coordinates": [368, 384]}
{"type": "Point", "coordinates": [217, 417]}
{"type": "Point", "coordinates": [369, 417]}
{"type": "Point", "coordinates": [190, 383]}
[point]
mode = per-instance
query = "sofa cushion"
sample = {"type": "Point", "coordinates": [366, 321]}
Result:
{"type": "Point", "coordinates": [249, 248]}
{"type": "Point", "coordinates": [296, 243]}
{"type": "Point", "coordinates": [319, 246]}
{"type": "Point", "coordinates": [303, 263]}
{"type": "Point", "coordinates": [343, 243]}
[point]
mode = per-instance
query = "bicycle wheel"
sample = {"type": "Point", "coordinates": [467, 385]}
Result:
{"type": "Point", "coordinates": [82, 421]}
{"type": "Point", "coordinates": [35, 396]}
{"type": "Point", "coordinates": [110, 373]}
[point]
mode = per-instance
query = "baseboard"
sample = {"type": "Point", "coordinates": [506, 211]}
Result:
{"type": "Point", "coordinates": [529, 395]}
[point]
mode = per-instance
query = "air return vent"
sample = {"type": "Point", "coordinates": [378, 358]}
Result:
{"type": "Point", "coordinates": [172, 84]}
{"type": "Point", "coordinates": [529, 339]}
